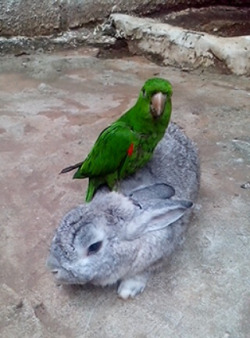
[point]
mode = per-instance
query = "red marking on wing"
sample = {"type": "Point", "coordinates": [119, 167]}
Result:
{"type": "Point", "coordinates": [130, 149]}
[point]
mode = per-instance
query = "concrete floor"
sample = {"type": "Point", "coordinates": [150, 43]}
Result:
{"type": "Point", "coordinates": [52, 109]}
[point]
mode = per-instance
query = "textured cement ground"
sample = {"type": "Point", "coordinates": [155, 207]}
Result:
{"type": "Point", "coordinates": [52, 108]}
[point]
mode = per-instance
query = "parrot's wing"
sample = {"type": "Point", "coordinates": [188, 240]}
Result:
{"type": "Point", "coordinates": [112, 147]}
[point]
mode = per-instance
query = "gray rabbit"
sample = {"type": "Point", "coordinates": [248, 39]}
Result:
{"type": "Point", "coordinates": [121, 237]}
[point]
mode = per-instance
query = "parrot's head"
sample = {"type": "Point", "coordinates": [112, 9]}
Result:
{"type": "Point", "coordinates": [156, 94]}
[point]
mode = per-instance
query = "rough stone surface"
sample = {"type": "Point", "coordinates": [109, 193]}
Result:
{"type": "Point", "coordinates": [52, 108]}
{"type": "Point", "coordinates": [183, 48]}
{"type": "Point", "coordinates": [29, 25]}
{"type": "Point", "coordinates": [30, 18]}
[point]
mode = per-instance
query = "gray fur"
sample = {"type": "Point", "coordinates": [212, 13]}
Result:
{"type": "Point", "coordinates": [122, 236]}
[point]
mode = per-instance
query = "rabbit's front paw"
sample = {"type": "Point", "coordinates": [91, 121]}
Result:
{"type": "Point", "coordinates": [132, 286]}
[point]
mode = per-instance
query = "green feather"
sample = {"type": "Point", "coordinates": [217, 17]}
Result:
{"type": "Point", "coordinates": [128, 143]}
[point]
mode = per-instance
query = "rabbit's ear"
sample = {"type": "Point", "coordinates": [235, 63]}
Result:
{"type": "Point", "coordinates": [152, 191]}
{"type": "Point", "coordinates": [156, 218]}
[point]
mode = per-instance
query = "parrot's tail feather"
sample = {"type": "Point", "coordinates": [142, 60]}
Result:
{"type": "Point", "coordinates": [91, 190]}
{"type": "Point", "coordinates": [89, 195]}
{"type": "Point", "coordinates": [94, 184]}
{"type": "Point", "coordinates": [72, 167]}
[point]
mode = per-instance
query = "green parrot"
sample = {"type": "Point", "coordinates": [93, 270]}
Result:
{"type": "Point", "coordinates": [128, 143]}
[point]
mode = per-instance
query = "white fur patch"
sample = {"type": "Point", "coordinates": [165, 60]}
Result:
{"type": "Point", "coordinates": [132, 287]}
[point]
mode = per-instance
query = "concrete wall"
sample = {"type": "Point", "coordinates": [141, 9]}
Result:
{"type": "Point", "coordinates": [44, 17]}
{"type": "Point", "coordinates": [28, 17]}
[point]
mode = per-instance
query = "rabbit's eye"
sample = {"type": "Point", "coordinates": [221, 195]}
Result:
{"type": "Point", "coordinates": [93, 248]}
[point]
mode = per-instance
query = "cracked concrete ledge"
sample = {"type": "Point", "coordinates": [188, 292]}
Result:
{"type": "Point", "coordinates": [20, 45]}
{"type": "Point", "coordinates": [45, 17]}
{"type": "Point", "coordinates": [176, 46]}
{"type": "Point", "coordinates": [168, 44]}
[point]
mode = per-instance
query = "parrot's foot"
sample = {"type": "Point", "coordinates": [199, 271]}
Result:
{"type": "Point", "coordinates": [112, 182]}
{"type": "Point", "coordinates": [117, 186]}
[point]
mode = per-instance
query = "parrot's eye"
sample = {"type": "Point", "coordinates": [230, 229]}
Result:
{"type": "Point", "coordinates": [143, 92]}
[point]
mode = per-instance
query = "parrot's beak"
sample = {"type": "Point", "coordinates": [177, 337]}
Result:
{"type": "Point", "coordinates": [157, 104]}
